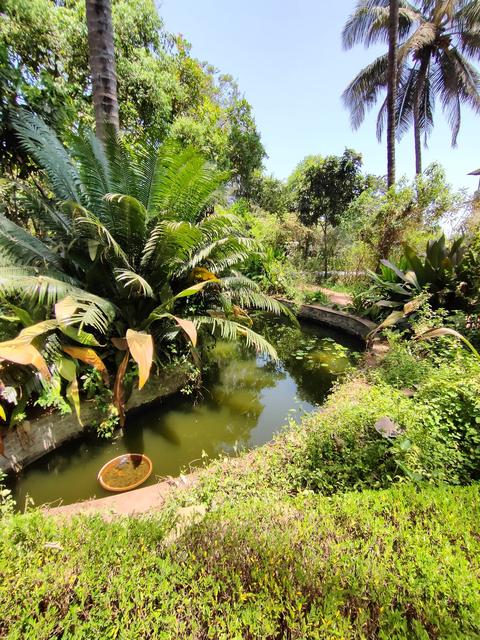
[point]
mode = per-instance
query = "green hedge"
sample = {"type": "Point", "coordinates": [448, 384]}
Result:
{"type": "Point", "coordinates": [398, 563]}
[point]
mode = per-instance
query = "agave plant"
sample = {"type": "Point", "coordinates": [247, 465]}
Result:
{"type": "Point", "coordinates": [124, 237]}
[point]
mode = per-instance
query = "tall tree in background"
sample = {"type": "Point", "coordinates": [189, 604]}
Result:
{"type": "Point", "coordinates": [102, 64]}
{"type": "Point", "coordinates": [437, 41]}
{"type": "Point", "coordinates": [392, 89]}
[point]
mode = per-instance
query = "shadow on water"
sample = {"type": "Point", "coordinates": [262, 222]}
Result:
{"type": "Point", "coordinates": [244, 401]}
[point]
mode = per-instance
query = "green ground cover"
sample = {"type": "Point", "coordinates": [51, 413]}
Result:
{"type": "Point", "coordinates": [330, 531]}
{"type": "Point", "coordinates": [398, 563]}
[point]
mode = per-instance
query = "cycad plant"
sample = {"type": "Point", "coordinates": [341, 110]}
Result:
{"type": "Point", "coordinates": [124, 237]}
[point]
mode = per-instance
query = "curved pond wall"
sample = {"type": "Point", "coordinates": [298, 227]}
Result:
{"type": "Point", "coordinates": [356, 326]}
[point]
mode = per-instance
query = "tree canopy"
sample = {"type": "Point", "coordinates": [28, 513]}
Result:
{"type": "Point", "coordinates": [162, 90]}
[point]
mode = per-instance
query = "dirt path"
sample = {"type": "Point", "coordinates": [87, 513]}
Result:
{"type": "Point", "coordinates": [336, 297]}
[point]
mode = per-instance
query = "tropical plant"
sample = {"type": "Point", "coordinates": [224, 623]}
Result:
{"type": "Point", "coordinates": [438, 273]}
{"type": "Point", "coordinates": [436, 41]}
{"type": "Point", "coordinates": [128, 236]}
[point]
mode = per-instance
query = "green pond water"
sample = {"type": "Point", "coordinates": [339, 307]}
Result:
{"type": "Point", "coordinates": [244, 400]}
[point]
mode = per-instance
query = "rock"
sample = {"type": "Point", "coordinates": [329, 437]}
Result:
{"type": "Point", "coordinates": [387, 428]}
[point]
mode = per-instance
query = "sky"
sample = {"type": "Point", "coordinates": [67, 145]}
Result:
{"type": "Point", "coordinates": [288, 61]}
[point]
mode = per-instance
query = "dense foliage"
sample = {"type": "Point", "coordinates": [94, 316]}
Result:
{"type": "Point", "coordinates": [127, 236]}
{"type": "Point", "coordinates": [162, 90]}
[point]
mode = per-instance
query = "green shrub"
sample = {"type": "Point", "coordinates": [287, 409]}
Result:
{"type": "Point", "coordinates": [402, 366]}
{"type": "Point", "coordinates": [393, 564]}
{"type": "Point", "coordinates": [344, 451]}
{"type": "Point", "coordinates": [449, 402]}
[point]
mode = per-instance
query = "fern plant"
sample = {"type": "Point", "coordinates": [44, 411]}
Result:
{"type": "Point", "coordinates": [124, 239]}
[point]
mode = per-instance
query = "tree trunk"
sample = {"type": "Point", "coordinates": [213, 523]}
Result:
{"type": "Point", "coordinates": [325, 249]}
{"type": "Point", "coordinates": [102, 64]}
{"type": "Point", "coordinates": [417, 130]}
{"type": "Point", "coordinates": [418, 141]}
{"type": "Point", "coordinates": [392, 89]}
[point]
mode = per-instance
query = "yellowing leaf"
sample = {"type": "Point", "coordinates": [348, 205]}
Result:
{"type": "Point", "coordinates": [200, 274]}
{"type": "Point", "coordinates": [3, 415]}
{"type": "Point", "coordinates": [141, 348]}
{"type": "Point", "coordinates": [29, 333]}
{"type": "Point", "coordinates": [73, 396]}
{"type": "Point", "coordinates": [189, 328]}
{"type": "Point", "coordinates": [195, 288]}
{"type": "Point", "coordinates": [20, 353]}
{"type": "Point", "coordinates": [89, 356]}
{"type": "Point", "coordinates": [65, 309]}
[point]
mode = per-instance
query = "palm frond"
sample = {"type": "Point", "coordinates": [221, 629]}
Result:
{"type": "Point", "coordinates": [456, 81]}
{"type": "Point", "coordinates": [369, 22]}
{"type": "Point", "coordinates": [362, 93]}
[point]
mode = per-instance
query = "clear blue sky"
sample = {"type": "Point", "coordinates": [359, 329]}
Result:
{"type": "Point", "coordinates": [288, 60]}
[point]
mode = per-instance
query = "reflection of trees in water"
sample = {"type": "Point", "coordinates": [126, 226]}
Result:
{"type": "Point", "coordinates": [71, 453]}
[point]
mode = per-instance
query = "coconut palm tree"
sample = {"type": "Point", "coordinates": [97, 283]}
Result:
{"type": "Point", "coordinates": [437, 41]}
{"type": "Point", "coordinates": [123, 246]}
{"type": "Point", "coordinates": [102, 64]}
{"type": "Point", "coordinates": [392, 89]}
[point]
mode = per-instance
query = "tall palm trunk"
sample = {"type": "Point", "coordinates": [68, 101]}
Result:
{"type": "Point", "coordinates": [102, 64]}
{"type": "Point", "coordinates": [417, 129]}
{"type": "Point", "coordinates": [392, 89]}
{"type": "Point", "coordinates": [417, 137]}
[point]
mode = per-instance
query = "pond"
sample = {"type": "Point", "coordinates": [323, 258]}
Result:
{"type": "Point", "coordinates": [243, 401]}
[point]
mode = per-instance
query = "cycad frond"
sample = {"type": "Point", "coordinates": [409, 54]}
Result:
{"type": "Point", "coordinates": [135, 282]}
{"type": "Point", "coordinates": [258, 300]}
{"type": "Point", "coordinates": [128, 222]}
{"type": "Point", "coordinates": [230, 330]}
{"type": "Point", "coordinates": [184, 183]}
{"type": "Point", "coordinates": [86, 219]}
{"type": "Point", "coordinates": [19, 247]}
{"type": "Point", "coordinates": [170, 240]}
{"type": "Point", "coordinates": [43, 145]}
{"type": "Point", "coordinates": [94, 170]}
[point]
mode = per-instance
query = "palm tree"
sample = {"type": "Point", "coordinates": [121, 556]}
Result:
{"type": "Point", "coordinates": [128, 240]}
{"type": "Point", "coordinates": [392, 89]}
{"type": "Point", "coordinates": [436, 40]}
{"type": "Point", "coordinates": [102, 64]}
